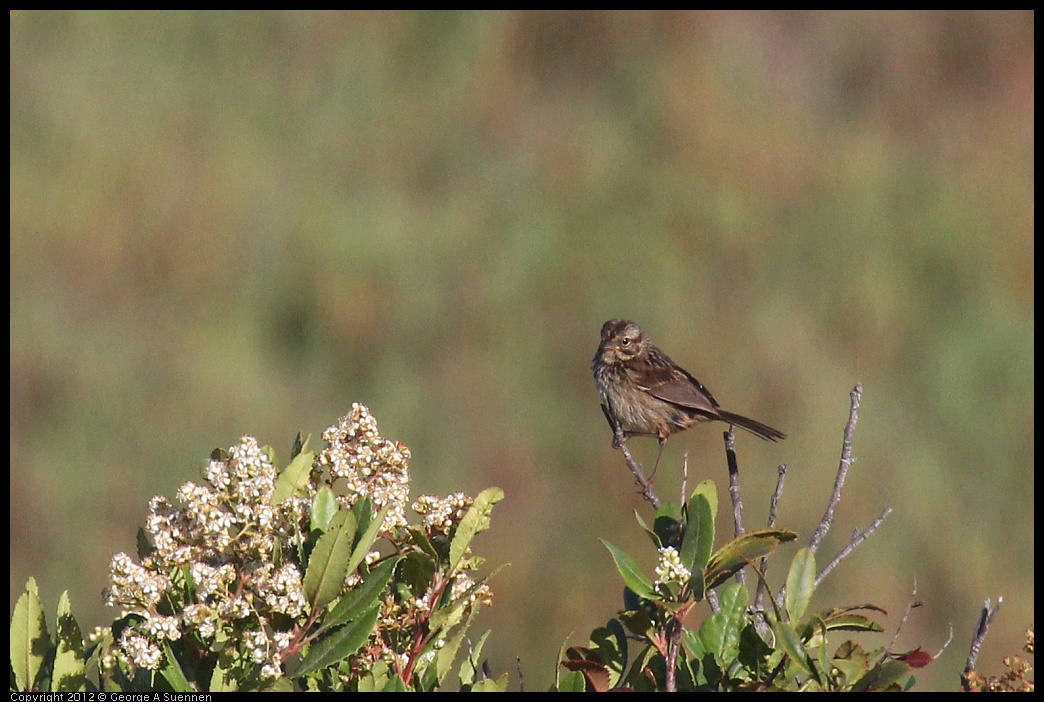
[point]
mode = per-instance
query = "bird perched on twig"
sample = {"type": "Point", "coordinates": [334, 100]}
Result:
{"type": "Point", "coordinates": [645, 393]}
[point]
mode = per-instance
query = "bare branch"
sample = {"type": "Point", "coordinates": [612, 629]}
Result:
{"type": "Point", "coordinates": [762, 589]}
{"type": "Point", "coordinates": [989, 612]}
{"type": "Point", "coordinates": [634, 466]}
{"type": "Point", "coordinates": [857, 538]}
{"type": "Point", "coordinates": [734, 491]}
{"type": "Point", "coordinates": [842, 470]}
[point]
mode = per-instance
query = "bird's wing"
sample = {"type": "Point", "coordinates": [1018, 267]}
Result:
{"type": "Point", "coordinates": [677, 386]}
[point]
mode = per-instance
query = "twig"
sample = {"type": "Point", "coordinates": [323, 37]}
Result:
{"type": "Point", "coordinates": [857, 538]}
{"type": "Point", "coordinates": [842, 470]}
{"type": "Point", "coordinates": [673, 646]}
{"type": "Point", "coordinates": [989, 612]}
{"type": "Point", "coordinates": [910, 606]}
{"type": "Point", "coordinates": [835, 499]}
{"type": "Point", "coordinates": [634, 466]}
{"type": "Point", "coordinates": [685, 479]}
{"type": "Point", "coordinates": [762, 589]}
{"type": "Point", "coordinates": [734, 491]}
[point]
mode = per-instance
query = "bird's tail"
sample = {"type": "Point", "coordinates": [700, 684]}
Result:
{"type": "Point", "coordinates": [764, 431]}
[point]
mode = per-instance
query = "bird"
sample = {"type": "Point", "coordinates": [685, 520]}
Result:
{"type": "Point", "coordinates": [645, 393]}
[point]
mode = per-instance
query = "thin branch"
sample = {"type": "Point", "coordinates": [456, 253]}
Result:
{"type": "Point", "coordinates": [842, 470]}
{"type": "Point", "coordinates": [857, 538]}
{"type": "Point", "coordinates": [685, 479]}
{"type": "Point", "coordinates": [989, 612]}
{"type": "Point", "coordinates": [777, 495]}
{"type": "Point", "coordinates": [910, 606]}
{"type": "Point", "coordinates": [634, 466]}
{"type": "Point", "coordinates": [734, 491]}
{"type": "Point", "coordinates": [673, 646]}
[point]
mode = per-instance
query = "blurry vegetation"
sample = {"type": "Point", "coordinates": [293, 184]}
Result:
{"type": "Point", "coordinates": [230, 222]}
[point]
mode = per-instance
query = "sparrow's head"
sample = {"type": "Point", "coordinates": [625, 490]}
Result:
{"type": "Point", "coordinates": [622, 341]}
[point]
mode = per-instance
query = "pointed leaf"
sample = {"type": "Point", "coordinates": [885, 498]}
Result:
{"type": "Point", "coordinates": [324, 507]}
{"type": "Point", "coordinates": [742, 550]}
{"type": "Point", "coordinates": [720, 632]}
{"type": "Point", "coordinates": [30, 643]}
{"type": "Point", "coordinates": [299, 445]}
{"type": "Point", "coordinates": [889, 674]}
{"type": "Point", "coordinates": [791, 642]}
{"type": "Point", "coordinates": [328, 566]}
{"type": "Point", "coordinates": [698, 542]}
{"type": "Point", "coordinates": [472, 662]}
{"type": "Point", "coordinates": [395, 684]}
{"type": "Point", "coordinates": [572, 682]}
{"type": "Point", "coordinates": [449, 615]}
{"type": "Point", "coordinates": [668, 526]}
{"type": "Point", "coordinates": [294, 478]}
{"type": "Point", "coordinates": [632, 574]}
{"type": "Point", "coordinates": [474, 521]}
{"type": "Point", "coordinates": [373, 528]}
{"type": "Point", "coordinates": [69, 673]}
{"type": "Point", "coordinates": [362, 597]}
{"type": "Point", "coordinates": [498, 684]}
{"type": "Point", "coordinates": [709, 490]}
{"type": "Point", "coordinates": [172, 672]}
{"type": "Point", "coordinates": [801, 583]}
{"type": "Point", "coordinates": [339, 645]}
{"type": "Point", "coordinates": [851, 622]}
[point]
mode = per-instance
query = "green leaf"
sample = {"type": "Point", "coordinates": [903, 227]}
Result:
{"type": "Point", "coordinates": [294, 478]}
{"type": "Point", "coordinates": [221, 680]}
{"type": "Point", "coordinates": [144, 546]}
{"type": "Point", "coordinates": [632, 574]}
{"type": "Point", "coordinates": [362, 596]}
{"type": "Point", "coordinates": [572, 682]}
{"type": "Point", "coordinates": [446, 655]}
{"type": "Point", "coordinates": [801, 583]}
{"type": "Point", "coordinates": [30, 644]}
{"type": "Point", "coordinates": [610, 645]}
{"type": "Point", "coordinates": [363, 510]}
{"type": "Point", "coordinates": [474, 521]}
{"type": "Point", "coordinates": [450, 614]}
{"type": "Point", "coordinates": [693, 643]}
{"type": "Point", "coordinates": [472, 662]}
{"type": "Point", "coordinates": [638, 623]}
{"type": "Point", "coordinates": [328, 566]}
{"type": "Point", "coordinates": [395, 684]}
{"type": "Point", "coordinates": [884, 676]}
{"type": "Point", "coordinates": [362, 547]}
{"type": "Point", "coordinates": [645, 527]}
{"type": "Point", "coordinates": [498, 684]}
{"type": "Point", "coordinates": [709, 490]}
{"type": "Point", "coordinates": [720, 632]}
{"type": "Point", "coordinates": [324, 507]}
{"type": "Point", "coordinates": [790, 641]}
{"type": "Point", "coordinates": [698, 542]}
{"type": "Point", "coordinates": [338, 645]}
{"type": "Point", "coordinates": [667, 526]}
{"type": "Point", "coordinates": [172, 672]}
{"type": "Point", "coordinates": [69, 674]}
{"type": "Point", "coordinates": [299, 445]}
{"type": "Point", "coordinates": [742, 550]}
{"type": "Point", "coordinates": [375, 679]}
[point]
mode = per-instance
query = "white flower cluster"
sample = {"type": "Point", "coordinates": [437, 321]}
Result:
{"type": "Point", "coordinates": [670, 568]}
{"type": "Point", "coordinates": [224, 537]}
{"type": "Point", "coordinates": [442, 514]}
{"type": "Point", "coordinates": [370, 465]}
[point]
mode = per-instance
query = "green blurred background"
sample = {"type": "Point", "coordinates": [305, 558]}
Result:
{"type": "Point", "coordinates": [230, 223]}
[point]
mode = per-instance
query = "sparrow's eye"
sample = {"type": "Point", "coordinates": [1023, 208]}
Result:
{"type": "Point", "coordinates": [625, 341]}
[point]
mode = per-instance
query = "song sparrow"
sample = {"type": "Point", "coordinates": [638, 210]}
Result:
{"type": "Point", "coordinates": [648, 394]}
